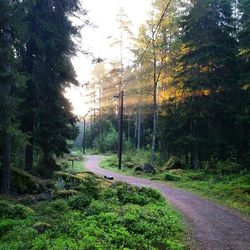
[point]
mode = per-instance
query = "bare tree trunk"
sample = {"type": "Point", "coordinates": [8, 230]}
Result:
{"type": "Point", "coordinates": [196, 156]}
{"type": "Point", "coordinates": [135, 133]}
{"type": "Point", "coordinates": [139, 129]}
{"type": "Point", "coordinates": [155, 108]}
{"type": "Point", "coordinates": [28, 129]}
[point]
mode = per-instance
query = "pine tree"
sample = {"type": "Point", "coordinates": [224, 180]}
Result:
{"type": "Point", "coordinates": [206, 75]}
{"type": "Point", "coordinates": [47, 119]}
{"type": "Point", "coordinates": [244, 38]}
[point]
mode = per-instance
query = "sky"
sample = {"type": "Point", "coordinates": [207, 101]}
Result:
{"type": "Point", "coordinates": [98, 37]}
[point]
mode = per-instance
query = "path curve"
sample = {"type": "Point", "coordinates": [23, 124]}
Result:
{"type": "Point", "coordinates": [213, 226]}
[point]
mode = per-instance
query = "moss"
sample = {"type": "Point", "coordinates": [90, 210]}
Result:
{"type": "Point", "coordinates": [174, 162]}
{"type": "Point", "coordinates": [23, 182]}
{"type": "Point", "coordinates": [65, 193]}
{"type": "Point", "coordinates": [9, 210]}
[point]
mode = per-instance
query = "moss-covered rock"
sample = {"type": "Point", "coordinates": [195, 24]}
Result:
{"type": "Point", "coordinates": [69, 180]}
{"type": "Point", "coordinates": [138, 170]}
{"type": "Point", "coordinates": [129, 164]}
{"type": "Point", "coordinates": [174, 162]}
{"type": "Point", "coordinates": [65, 193]}
{"type": "Point", "coordinates": [42, 227]}
{"type": "Point", "coordinates": [23, 182]}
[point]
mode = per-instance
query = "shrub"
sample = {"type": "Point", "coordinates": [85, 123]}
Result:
{"type": "Point", "coordinates": [90, 186]}
{"type": "Point", "coordinates": [59, 205]}
{"type": "Point", "coordinates": [80, 202]}
{"type": "Point", "coordinates": [228, 167]}
{"type": "Point", "coordinates": [171, 177]}
{"type": "Point", "coordinates": [8, 210]}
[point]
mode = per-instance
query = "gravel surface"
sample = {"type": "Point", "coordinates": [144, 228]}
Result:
{"type": "Point", "coordinates": [213, 226]}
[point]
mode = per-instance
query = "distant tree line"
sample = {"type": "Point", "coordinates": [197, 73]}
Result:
{"type": "Point", "coordinates": [190, 84]}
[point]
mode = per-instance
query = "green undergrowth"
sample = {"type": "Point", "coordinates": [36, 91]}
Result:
{"type": "Point", "coordinates": [91, 213]}
{"type": "Point", "coordinates": [232, 190]}
{"type": "Point", "coordinates": [73, 162]}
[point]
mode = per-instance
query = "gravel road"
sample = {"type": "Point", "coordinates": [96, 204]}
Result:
{"type": "Point", "coordinates": [213, 226]}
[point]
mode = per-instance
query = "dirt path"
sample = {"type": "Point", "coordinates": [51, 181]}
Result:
{"type": "Point", "coordinates": [213, 226]}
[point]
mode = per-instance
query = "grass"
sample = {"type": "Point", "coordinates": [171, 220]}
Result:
{"type": "Point", "coordinates": [73, 162]}
{"type": "Point", "coordinates": [232, 190]}
{"type": "Point", "coordinates": [98, 215]}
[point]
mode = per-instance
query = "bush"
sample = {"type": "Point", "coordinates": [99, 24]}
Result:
{"type": "Point", "coordinates": [122, 217]}
{"type": "Point", "coordinates": [58, 205]}
{"type": "Point", "coordinates": [228, 167]}
{"type": "Point", "coordinates": [80, 202]}
{"type": "Point", "coordinates": [107, 141]}
{"type": "Point", "coordinates": [8, 210]}
{"type": "Point", "coordinates": [171, 177]}
{"type": "Point", "coordinates": [90, 186]}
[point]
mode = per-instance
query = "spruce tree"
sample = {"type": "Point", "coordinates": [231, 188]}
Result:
{"type": "Point", "coordinates": [47, 117]}
{"type": "Point", "coordinates": [206, 74]}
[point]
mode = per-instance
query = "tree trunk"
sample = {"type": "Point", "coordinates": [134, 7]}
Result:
{"type": "Point", "coordinates": [155, 110]}
{"type": "Point", "coordinates": [5, 171]}
{"type": "Point", "coordinates": [28, 129]}
{"type": "Point", "coordinates": [196, 155]}
{"type": "Point", "coordinates": [6, 153]}
{"type": "Point", "coordinates": [139, 129]}
{"type": "Point", "coordinates": [135, 132]}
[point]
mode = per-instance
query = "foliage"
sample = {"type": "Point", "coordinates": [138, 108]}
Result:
{"type": "Point", "coordinates": [9, 210]}
{"type": "Point", "coordinates": [231, 190]}
{"type": "Point", "coordinates": [35, 68]}
{"type": "Point", "coordinates": [107, 141]}
{"type": "Point", "coordinates": [119, 217]}
{"type": "Point", "coordinates": [201, 54]}
{"type": "Point", "coordinates": [225, 182]}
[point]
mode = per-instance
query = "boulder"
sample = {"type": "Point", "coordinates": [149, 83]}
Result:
{"type": "Point", "coordinates": [148, 168]}
{"type": "Point", "coordinates": [138, 170]}
{"type": "Point", "coordinates": [42, 227]}
{"type": "Point", "coordinates": [66, 180]}
{"type": "Point", "coordinates": [129, 164]}
{"type": "Point", "coordinates": [174, 162]}
{"type": "Point", "coordinates": [23, 182]}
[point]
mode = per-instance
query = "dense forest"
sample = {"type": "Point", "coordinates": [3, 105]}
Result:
{"type": "Point", "coordinates": [35, 67]}
{"type": "Point", "coordinates": [178, 112]}
{"type": "Point", "coordinates": [187, 93]}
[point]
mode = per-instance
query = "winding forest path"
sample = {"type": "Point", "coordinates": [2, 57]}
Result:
{"type": "Point", "coordinates": [213, 226]}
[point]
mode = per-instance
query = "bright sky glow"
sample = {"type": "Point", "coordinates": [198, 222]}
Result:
{"type": "Point", "coordinates": [103, 14]}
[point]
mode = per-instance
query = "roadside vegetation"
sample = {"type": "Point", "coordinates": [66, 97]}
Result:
{"type": "Point", "coordinates": [225, 182]}
{"type": "Point", "coordinates": [82, 211]}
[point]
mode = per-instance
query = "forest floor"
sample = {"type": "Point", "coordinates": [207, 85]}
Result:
{"type": "Point", "coordinates": [212, 226]}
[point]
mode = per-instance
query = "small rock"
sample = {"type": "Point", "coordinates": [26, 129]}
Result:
{"type": "Point", "coordinates": [148, 168]}
{"type": "Point", "coordinates": [108, 177]}
{"type": "Point", "coordinates": [138, 170]}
